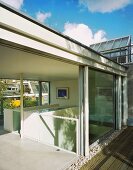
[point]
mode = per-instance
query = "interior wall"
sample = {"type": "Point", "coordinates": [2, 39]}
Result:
{"type": "Point", "coordinates": [73, 95]}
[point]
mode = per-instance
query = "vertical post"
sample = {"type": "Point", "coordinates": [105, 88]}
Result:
{"type": "Point", "coordinates": [77, 137]}
{"type": "Point", "coordinates": [125, 101]}
{"type": "Point", "coordinates": [21, 104]}
{"type": "Point", "coordinates": [1, 106]}
{"type": "Point", "coordinates": [48, 92]}
{"type": "Point", "coordinates": [118, 104]}
{"type": "Point", "coordinates": [86, 109]}
{"type": "Point", "coordinates": [81, 111]}
{"type": "Point", "coordinates": [40, 93]}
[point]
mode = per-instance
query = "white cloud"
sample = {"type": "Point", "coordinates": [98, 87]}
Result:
{"type": "Point", "coordinates": [83, 33]}
{"type": "Point", "coordinates": [42, 16]}
{"type": "Point", "coordinates": [104, 6]}
{"type": "Point", "coordinates": [14, 3]}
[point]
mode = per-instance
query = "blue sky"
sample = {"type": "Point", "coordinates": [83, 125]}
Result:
{"type": "Point", "coordinates": [88, 21]}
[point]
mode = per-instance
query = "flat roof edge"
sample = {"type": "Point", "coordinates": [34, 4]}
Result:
{"type": "Point", "coordinates": [20, 13]}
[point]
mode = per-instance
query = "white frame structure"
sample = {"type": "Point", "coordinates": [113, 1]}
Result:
{"type": "Point", "coordinates": [43, 42]}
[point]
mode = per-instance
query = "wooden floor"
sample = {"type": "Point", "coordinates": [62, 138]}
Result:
{"type": "Point", "coordinates": [118, 155]}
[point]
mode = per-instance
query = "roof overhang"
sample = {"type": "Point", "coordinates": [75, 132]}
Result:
{"type": "Point", "coordinates": [30, 48]}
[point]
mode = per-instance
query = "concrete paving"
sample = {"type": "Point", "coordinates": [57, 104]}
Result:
{"type": "Point", "coordinates": [25, 154]}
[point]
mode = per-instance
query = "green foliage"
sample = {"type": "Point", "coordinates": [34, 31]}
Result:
{"type": "Point", "coordinates": [7, 103]}
{"type": "Point", "coordinates": [30, 101]}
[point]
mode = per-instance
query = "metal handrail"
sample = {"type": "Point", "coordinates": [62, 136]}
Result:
{"type": "Point", "coordinates": [60, 117]}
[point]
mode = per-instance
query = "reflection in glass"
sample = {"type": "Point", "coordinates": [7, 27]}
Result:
{"type": "Point", "coordinates": [101, 104]}
{"type": "Point", "coordinates": [65, 134]}
{"type": "Point", "coordinates": [57, 131]}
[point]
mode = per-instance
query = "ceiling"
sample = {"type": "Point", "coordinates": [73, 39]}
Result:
{"type": "Point", "coordinates": [13, 62]}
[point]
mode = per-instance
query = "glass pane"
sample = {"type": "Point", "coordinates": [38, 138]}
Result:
{"type": "Point", "coordinates": [45, 93]}
{"type": "Point", "coordinates": [31, 93]}
{"type": "Point", "coordinates": [116, 43]}
{"type": "Point", "coordinates": [30, 101]}
{"type": "Point", "coordinates": [53, 126]}
{"type": "Point", "coordinates": [35, 87]}
{"type": "Point", "coordinates": [102, 46]}
{"type": "Point", "coordinates": [109, 45]}
{"type": "Point", "coordinates": [58, 132]}
{"type": "Point", "coordinates": [115, 54]}
{"type": "Point", "coordinates": [96, 47]}
{"type": "Point", "coordinates": [101, 104]}
{"type": "Point", "coordinates": [124, 53]}
{"type": "Point", "coordinates": [107, 55]}
{"type": "Point", "coordinates": [124, 42]}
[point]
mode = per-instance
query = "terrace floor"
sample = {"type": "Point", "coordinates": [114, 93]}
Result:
{"type": "Point", "coordinates": [25, 154]}
{"type": "Point", "coordinates": [118, 155]}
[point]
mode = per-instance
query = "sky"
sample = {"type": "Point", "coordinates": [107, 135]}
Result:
{"type": "Point", "coordinates": [87, 21]}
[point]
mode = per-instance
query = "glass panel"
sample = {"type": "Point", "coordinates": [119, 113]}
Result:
{"type": "Point", "coordinates": [45, 93]}
{"type": "Point", "coordinates": [16, 120]}
{"type": "Point", "coordinates": [115, 54]}
{"type": "Point", "coordinates": [116, 43]}
{"type": "Point", "coordinates": [107, 55]}
{"type": "Point", "coordinates": [31, 93]}
{"type": "Point", "coordinates": [35, 87]}
{"type": "Point", "coordinates": [54, 127]}
{"type": "Point", "coordinates": [58, 132]}
{"type": "Point", "coordinates": [101, 104]}
{"type": "Point", "coordinates": [109, 45]}
{"type": "Point", "coordinates": [123, 52]}
{"type": "Point", "coordinates": [102, 46]}
{"type": "Point", "coordinates": [124, 42]}
{"type": "Point", "coordinates": [96, 47]}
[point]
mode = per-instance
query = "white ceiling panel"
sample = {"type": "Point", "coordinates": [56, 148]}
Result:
{"type": "Point", "coordinates": [33, 66]}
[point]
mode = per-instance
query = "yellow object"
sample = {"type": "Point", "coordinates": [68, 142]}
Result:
{"type": "Point", "coordinates": [15, 103]}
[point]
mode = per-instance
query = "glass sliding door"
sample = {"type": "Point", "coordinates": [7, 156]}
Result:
{"type": "Point", "coordinates": [101, 104]}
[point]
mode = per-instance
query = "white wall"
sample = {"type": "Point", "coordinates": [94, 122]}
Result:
{"type": "Point", "coordinates": [72, 91]}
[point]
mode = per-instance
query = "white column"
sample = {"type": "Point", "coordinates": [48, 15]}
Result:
{"type": "Point", "coordinates": [40, 93]}
{"type": "Point", "coordinates": [125, 101]}
{"type": "Point", "coordinates": [86, 109]}
{"type": "Point", "coordinates": [21, 105]}
{"type": "Point", "coordinates": [81, 111]}
{"type": "Point", "coordinates": [118, 103]}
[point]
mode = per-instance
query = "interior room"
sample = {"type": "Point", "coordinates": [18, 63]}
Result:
{"type": "Point", "coordinates": [53, 122]}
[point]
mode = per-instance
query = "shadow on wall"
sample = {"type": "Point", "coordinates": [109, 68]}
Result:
{"type": "Point", "coordinates": [53, 127]}
{"type": "Point", "coordinates": [62, 131]}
